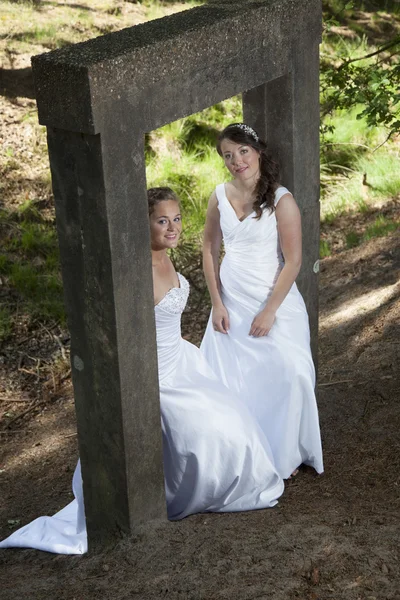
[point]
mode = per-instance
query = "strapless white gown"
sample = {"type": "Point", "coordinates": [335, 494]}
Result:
{"type": "Point", "coordinates": [273, 375]}
{"type": "Point", "coordinates": [216, 458]}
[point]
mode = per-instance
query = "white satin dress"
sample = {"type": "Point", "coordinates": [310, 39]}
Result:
{"type": "Point", "coordinates": [273, 375]}
{"type": "Point", "coordinates": [216, 458]}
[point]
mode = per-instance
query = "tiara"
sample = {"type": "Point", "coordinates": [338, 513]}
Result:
{"type": "Point", "coordinates": [247, 129]}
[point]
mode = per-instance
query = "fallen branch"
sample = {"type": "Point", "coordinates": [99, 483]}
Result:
{"type": "Point", "coordinates": [25, 412]}
{"type": "Point", "coordinates": [12, 400]}
{"type": "Point", "coordinates": [27, 371]}
{"type": "Point", "coordinates": [336, 382]}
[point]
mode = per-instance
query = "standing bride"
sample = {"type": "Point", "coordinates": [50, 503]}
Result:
{"type": "Point", "coordinates": [216, 458]}
{"type": "Point", "coordinates": [257, 338]}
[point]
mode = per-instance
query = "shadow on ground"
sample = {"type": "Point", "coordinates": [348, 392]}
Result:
{"type": "Point", "coordinates": [15, 83]}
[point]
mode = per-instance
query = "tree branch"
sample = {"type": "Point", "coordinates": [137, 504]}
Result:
{"type": "Point", "coordinates": [371, 54]}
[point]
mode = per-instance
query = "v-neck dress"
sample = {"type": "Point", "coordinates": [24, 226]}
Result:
{"type": "Point", "coordinates": [216, 457]}
{"type": "Point", "coordinates": [273, 375]}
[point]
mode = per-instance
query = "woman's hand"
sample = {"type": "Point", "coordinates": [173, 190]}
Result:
{"type": "Point", "coordinates": [220, 319]}
{"type": "Point", "coordinates": [262, 323]}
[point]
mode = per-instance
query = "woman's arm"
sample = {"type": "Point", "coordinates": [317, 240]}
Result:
{"type": "Point", "coordinates": [211, 249]}
{"type": "Point", "coordinates": [289, 228]}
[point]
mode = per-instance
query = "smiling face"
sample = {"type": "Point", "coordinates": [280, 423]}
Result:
{"type": "Point", "coordinates": [242, 160]}
{"type": "Point", "coordinates": [165, 225]}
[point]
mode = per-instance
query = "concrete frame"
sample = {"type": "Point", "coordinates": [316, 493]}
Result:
{"type": "Point", "coordinates": [98, 99]}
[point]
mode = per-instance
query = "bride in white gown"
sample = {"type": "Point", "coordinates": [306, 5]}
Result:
{"type": "Point", "coordinates": [257, 338]}
{"type": "Point", "coordinates": [216, 458]}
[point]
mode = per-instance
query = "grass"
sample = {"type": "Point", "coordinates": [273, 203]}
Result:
{"type": "Point", "coordinates": [352, 239]}
{"type": "Point", "coordinates": [181, 154]}
{"type": "Point", "coordinates": [324, 249]}
{"type": "Point", "coordinates": [374, 177]}
{"type": "Point", "coordinates": [27, 26]}
{"type": "Point", "coordinates": [155, 9]}
{"type": "Point", "coordinates": [30, 266]}
{"type": "Point", "coordinates": [354, 173]}
{"type": "Point", "coordinates": [381, 227]}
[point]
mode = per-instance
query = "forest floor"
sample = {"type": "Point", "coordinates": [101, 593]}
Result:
{"type": "Point", "coordinates": [330, 537]}
{"type": "Point", "coordinates": [333, 537]}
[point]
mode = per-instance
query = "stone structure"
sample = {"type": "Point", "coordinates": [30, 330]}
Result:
{"type": "Point", "coordinates": [98, 99]}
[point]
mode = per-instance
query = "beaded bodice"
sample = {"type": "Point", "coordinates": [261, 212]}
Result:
{"type": "Point", "coordinates": [168, 328]}
{"type": "Point", "coordinates": [175, 299]}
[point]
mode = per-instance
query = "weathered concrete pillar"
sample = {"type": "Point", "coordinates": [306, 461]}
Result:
{"type": "Point", "coordinates": [98, 99]}
{"type": "Point", "coordinates": [100, 195]}
{"type": "Point", "coordinates": [285, 111]}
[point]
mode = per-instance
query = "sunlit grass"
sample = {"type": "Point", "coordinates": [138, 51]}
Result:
{"type": "Point", "coordinates": [355, 170]}
{"type": "Point", "coordinates": [348, 129]}
{"type": "Point", "coordinates": [324, 249]}
{"type": "Point", "coordinates": [155, 9]}
{"type": "Point", "coordinates": [25, 25]}
{"type": "Point", "coordinates": [182, 155]}
{"type": "Point", "coordinates": [192, 180]}
{"type": "Point", "coordinates": [381, 227]}
{"type": "Point", "coordinates": [375, 177]}
{"type": "Point", "coordinates": [342, 48]}
{"type": "Point", "coordinates": [383, 172]}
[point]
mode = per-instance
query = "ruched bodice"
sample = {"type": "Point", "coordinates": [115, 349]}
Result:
{"type": "Point", "coordinates": [251, 239]}
{"type": "Point", "coordinates": [168, 314]}
{"type": "Point", "coordinates": [252, 248]}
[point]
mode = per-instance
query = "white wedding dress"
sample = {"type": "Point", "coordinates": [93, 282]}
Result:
{"type": "Point", "coordinates": [273, 375]}
{"type": "Point", "coordinates": [216, 458]}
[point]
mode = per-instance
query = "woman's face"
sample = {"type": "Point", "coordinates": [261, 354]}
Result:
{"type": "Point", "coordinates": [242, 161]}
{"type": "Point", "coordinates": [165, 225]}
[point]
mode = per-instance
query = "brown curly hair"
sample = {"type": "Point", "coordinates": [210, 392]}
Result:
{"type": "Point", "coordinates": [239, 133]}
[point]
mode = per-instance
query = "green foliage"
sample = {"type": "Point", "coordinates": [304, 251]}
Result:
{"type": "Point", "coordinates": [5, 264]}
{"type": "Point", "coordinates": [28, 211]}
{"type": "Point", "coordinates": [382, 173]}
{"type": "Point", "coordinates": [352, 239]}
{"type": "Point", "coordinates": [374, 86]}
{"type": "Point", "coordinates": [182, 156]}
{"type": "Point", "coordinates": [381, 227]}
{"type": "Point", "coordinates": [354, 174]}
{"type": "Point", "coordinates": [155, 9]}
{"type": "Point", "coordinates": [355, 73]}
{"type": "Point", "coordinates": [30, 263]}
{"type": "Point", "coordinates": [324, 249]}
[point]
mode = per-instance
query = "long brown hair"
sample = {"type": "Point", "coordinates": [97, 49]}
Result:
{"type": "Point", "coordinates": [239, 133]}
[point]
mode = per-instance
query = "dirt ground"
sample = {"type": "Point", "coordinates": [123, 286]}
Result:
{"type": "Point", "coordinates": [330, 537]}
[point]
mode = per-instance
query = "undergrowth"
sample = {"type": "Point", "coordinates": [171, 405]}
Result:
{"type": "Point", "coordinates": [30, 267]}
{"type": "Point", "coordinates": [359, 171]}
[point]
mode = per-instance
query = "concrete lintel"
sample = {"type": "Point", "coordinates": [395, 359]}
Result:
{"type": "Point", "coordinates": [74, 83]}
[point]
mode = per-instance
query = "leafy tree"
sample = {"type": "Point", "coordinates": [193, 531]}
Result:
{"type": "Point", "coordinates": [372, 80]}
